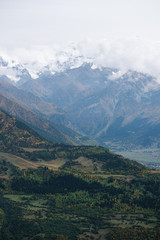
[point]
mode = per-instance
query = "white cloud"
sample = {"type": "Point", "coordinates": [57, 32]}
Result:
{"type": "Point", "coordinates": [134, 53]}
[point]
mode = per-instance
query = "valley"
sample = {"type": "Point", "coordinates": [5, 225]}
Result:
{"type": "Point", "coordinates": [148, 156]}
{"type": "Point", "coordinates": [79, 120]}
{"type": "Point", "coordinates": [57, 178]}
{"type": "Point", "coordinates": [87, 105]}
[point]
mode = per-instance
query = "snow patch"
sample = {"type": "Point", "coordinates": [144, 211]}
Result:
{"type": "Point", "coordinates": [94, 66]}
{"type": "Point", "coordinates": [13, 78]}
{"type": "Point", "coordinates": [116, 75]}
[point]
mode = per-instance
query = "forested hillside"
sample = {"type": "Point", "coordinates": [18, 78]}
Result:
{"type": "Point", "coordinates": [56, 191]}
{"type": "Point", "coordinates": [42, 204]}
{"type": "Point", "coordinates": [15, 134]}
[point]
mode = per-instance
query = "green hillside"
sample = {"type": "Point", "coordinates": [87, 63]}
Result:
{"type": "Point", "coordinates": [62, 192]}
{"type": "Point", "coordinates": [19, 139]}
{"type": "Point", "coordinates": [67, 205]}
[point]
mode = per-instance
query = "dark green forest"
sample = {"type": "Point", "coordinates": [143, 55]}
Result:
{"type": "Point", "coordinates": [67, 204]}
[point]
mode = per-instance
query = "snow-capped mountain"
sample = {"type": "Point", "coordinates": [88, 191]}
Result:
{"type": "Point", "coordinates": [13, 71]}
{"type": "Point", "coordinates": [105, 107]}
{"type": "Point", "coordinates": [107, 104]}
{"type": "Point", "coordinates": [59, 61]}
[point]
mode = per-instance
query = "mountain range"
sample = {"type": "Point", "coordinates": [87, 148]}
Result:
{"type": "Point", "coordinates": [52, 186]}
{"type": "Point", "coordinates": [105, 104]}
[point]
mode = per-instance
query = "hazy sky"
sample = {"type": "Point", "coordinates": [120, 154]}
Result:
{"type": "Point", "coordinates": [115, 33]}
{"type": "Point", "coordinates": [41, 22]}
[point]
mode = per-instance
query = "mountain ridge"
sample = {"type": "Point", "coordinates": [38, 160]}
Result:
{"type": "Point", "coordinates": [94, 100]}
{"type": "Point", "coordinates": [40, 125]}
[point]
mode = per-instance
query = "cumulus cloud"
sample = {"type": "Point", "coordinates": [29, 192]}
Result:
{"type": "Point", "coordinates": [124, 54]}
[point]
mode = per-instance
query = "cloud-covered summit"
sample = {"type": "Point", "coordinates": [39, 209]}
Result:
{"type": "Point", "coordinates": [135, 54]}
